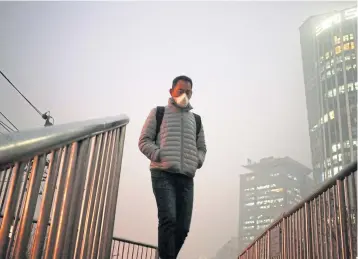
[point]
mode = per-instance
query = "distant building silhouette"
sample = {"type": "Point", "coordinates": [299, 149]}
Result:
{"type": "Point", "coordinates": [273, 187]}
{"type": "Point", "coordinates": [329, 55]}
{"type": "Point", "coordinates": [229, 250]}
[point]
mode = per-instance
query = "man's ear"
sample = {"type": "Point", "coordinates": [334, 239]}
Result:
{"type": "Point", "coordinates": [171, 91]}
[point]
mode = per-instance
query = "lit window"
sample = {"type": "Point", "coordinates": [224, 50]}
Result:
{"type": "Point", "coordinates": [327, 55]}
{"type": "Point", "coordinates": [347, 144]}
{"type": "Point", "coordinates": [346, 46]}
{"type": "Point", "coordinates": [345, 38]}
{"type": "Point", "coordinates": [348, 67]}
{"type": "Point", "coordinates": [325, 118]}
{"type": "Point", "coordinates": [338, 49]}
{"type": "Point", "coordinates": [335, 170]}
{"type": "Point", "coordinates": [351, 37]}
{"type": "Point", "coordinates": [334, 148]}
{"type": "Point", "coordinates": [334, 92]}
{"type": "Point", "coordinates": [339, 157]}
{"type": "Point", "coordinates": [337, 40]}
{"type": "Point", "coordinates": [350, 87]}
{"type": "Point", "coordinates": [331, 115]}
{"type": "Point", "coordinates": [329, 73]}
{"type": "Point", "coordinates": [341, 89]}
{"type": "Point", "coordinates": [355, 142]}
{"type": "Point", "coordinates": [352, 45]}
{"type": "Point", "coordinates": [248, 222]}
{"type": "Point", "coordinates": [277, 190]}
{"type": "Point", "coordinates": [328, 65]}
{"type": "Point", "coordinates": [250, 204]}
{"type": "Point", "coordinates": [330, 93]}
{"type": "Point", "coordinates": [250, 178]}
{"type": "Point", "coordinates": [340, 168]}
{"type": "Point", "coordinates": [329, 173]}
{"type": "Point", "coordinates": [335, 159]}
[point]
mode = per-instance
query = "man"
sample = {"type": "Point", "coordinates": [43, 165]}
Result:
{"type": "Point", "coordinates": [173, 139]}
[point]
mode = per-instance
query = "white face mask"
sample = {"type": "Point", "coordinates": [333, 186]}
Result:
{"type": "Point", "coordinates": [182, 100]}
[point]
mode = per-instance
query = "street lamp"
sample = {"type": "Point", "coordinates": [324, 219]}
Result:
{"type": "Point", "coordinates": [47, 117]}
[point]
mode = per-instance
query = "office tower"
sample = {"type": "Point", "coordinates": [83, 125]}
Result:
{"type": "Point", "coordinates": [273, 187]}
{"type": "Point", "coordinates": [328, 46]}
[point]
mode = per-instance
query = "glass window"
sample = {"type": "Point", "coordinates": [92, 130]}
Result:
{"type": "Point", "coordinates": [350, 87]}
{"type": "Point", "coordinates": [346, 46]}
{"type": "Point", "coordinates": [331, 115]}
{"type": "Point", "coordinates": [347, 144]}
{"type": "Point", "coordinates": [334, 148]}
{"type": "Point", "coordinates": [351, 37]}
{"type": "Point", "coordinates": [341, 89]}
{"type": "Point", "coordinates": [335, 170]}
{"type": "Point", "coordinates": [345, 38]}
{"type": "Point", "coordinates": [338, 49]}
{"type": "Point", "coordinates": [327, 55]}
{"type": "Point", "coordinates": [337, 40]}
{"type": "Point", "coordinates": [352, 45]}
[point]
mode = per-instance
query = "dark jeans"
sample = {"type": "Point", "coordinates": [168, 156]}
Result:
{"type": "Point", "coordinates": [174, 196]}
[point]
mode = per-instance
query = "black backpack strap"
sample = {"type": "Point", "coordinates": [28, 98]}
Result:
{"type": "Point", "coordinates": [198, 124]}
{"type": "Point", "coordinates": [159, 116]}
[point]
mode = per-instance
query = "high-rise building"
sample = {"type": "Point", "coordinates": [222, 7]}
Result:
{"type": "Point", "coordinates": [328, 45]}
{"type": "Point", "coordinates": [273, 187]}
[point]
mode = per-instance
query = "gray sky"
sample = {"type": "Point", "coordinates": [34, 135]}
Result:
{"type": "Point", "coordinates": [85, 60]}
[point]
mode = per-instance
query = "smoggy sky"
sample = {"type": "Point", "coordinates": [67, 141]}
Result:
{"type": "Point", "coordinates": [84, 60]}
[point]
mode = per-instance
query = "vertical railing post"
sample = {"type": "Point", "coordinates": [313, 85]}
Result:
{"type": "Point", "coordinates": [113, 201]}
{"type": "Point", "coordinates": [342, 218]}
{"type": "Point", "coordinates": [104, 238]}
{"type": "Point", "coordinates": [45, 209]}
{"type": "Point", "coordinates": [23, 237]}
{"type": "Point", "coordinates": [308, 231]}
{"type": "Point", "coordinates": [10, 206]}
{"type": "Point", "coordinates": [284, 237]}
{"type": "Point", "coordinates": [80, 174]}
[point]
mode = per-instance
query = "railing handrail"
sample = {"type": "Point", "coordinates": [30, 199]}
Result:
{"type": "Point", "coordinates": [352, 167]}
{"type": "Point", "coordinates": [21, 145]}
{"type": "Point", "coordinates": [133, 242]}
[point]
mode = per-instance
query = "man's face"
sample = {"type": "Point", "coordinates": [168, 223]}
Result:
{"type": "Point", "coordinates": [180, 88]}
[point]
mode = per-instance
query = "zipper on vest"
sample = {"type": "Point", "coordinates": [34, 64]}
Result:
{"type": "Point", "coordinates": [182, 143]}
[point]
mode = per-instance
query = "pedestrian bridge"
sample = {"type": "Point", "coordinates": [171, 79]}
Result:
{"type": "Point", "coordinates": [59, 190]}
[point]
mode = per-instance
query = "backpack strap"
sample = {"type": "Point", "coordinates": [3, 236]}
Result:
{"type": "Point", "coordinates": [159, 116]}
{"type": "Point", "coordinates": [198, 124]}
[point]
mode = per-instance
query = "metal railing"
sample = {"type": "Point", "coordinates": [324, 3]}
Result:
{"type": "Point", "coordinates": [69, 176]}
{"type": "Point", "coordinates": [323, 226]}
{"type": "Point", "coordinates": [126, 249]}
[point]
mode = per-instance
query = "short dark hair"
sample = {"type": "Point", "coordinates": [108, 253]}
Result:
{"type": "Point", "coordinates": [184, 78]}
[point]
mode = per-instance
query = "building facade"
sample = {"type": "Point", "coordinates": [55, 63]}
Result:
{"type": "Point", "coordinates": [273, 187]}
{"type": "Point", "coordinates": [328, 46]}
